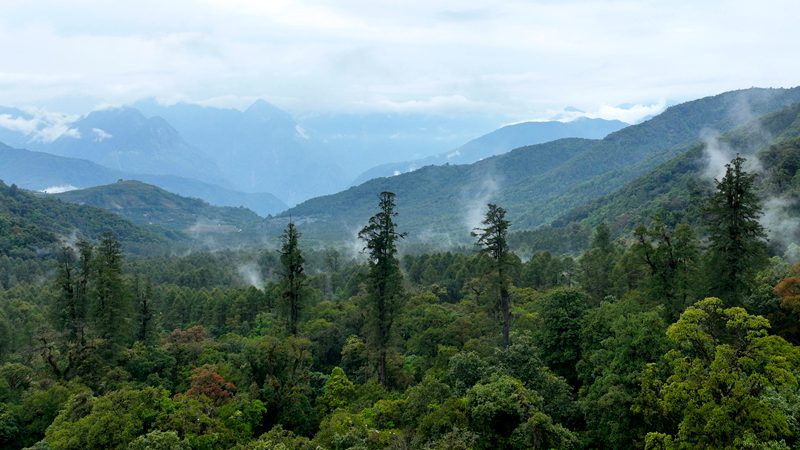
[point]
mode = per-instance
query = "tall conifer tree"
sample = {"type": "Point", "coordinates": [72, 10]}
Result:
{"type": "Point", "coordinates": [493, 242]}
{"type": "Point", "coordinates": [737, 247]}
{"type": "Point", "coordinates": [385, 280]}
{"type": "Point", "coordinates": [293, 275]}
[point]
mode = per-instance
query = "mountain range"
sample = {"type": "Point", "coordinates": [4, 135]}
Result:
{"type": "Point", "coordinates": [41, 171]}
{"type": "Point", "coordinates": [500, 141]}
{"type": "Point", "coordinates": [539, 183]}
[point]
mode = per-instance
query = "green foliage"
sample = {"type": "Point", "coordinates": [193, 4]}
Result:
{"type": "Point", "coordinates": [100, 349]}
{"type": "Point", "coordinates": [30, 224]}
{"type": "Point", "coordinates": [148, 205]}
{"type": "Point", "coordinates": [728, 381]}
{"type": "Point", "coordinates": [597, 265]}
{"type": "Point", "coordinates": [737, 243]}
{"type": "Point", "coordinates": [560, 315]}
{"type": "Point", "coordinates": [384, 287]}
{"type": "Point", "coordinates": [493, 240]}
{"type": "Point", "coordinates": [671, 258]}
{"type": "Point", "coordinates": [293, 278]}
{"type": "Point", "coordinates": [542, 182]}
{"type": "Point", "coordinates": [337, 393]}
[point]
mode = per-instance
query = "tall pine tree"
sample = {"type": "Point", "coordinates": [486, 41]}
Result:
{"type": "Point", "coordinates": [293, 278]}
{"type": "Point", "coordinates": [385, 280]}
{"type": "Point", "coordinates": [493, 242]}
{"type": "Point", "coordinates": [737, 246]}
{"type": "Point", "coordinates": [112, 306]}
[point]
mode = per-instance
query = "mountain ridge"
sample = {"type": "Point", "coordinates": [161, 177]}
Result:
{"type": "Point", "coordinates": [37, 170]}
{"type": "Point", "coordinates": [534, 183]}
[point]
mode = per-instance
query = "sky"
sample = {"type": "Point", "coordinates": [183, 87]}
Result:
{"type": "Point", "coordinates": [514, 59]}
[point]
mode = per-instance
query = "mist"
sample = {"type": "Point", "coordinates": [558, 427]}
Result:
{"type": "Point", "coordinates": [251, 275]}
{"type": "Point", "coordinates": [475, 198]}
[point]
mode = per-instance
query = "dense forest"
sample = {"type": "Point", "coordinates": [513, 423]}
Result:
{"type": "Point", "coordinates": [676, 334]}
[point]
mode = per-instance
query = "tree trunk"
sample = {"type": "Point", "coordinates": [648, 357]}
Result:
{"type": "Point", "coordinates": [382, 367]}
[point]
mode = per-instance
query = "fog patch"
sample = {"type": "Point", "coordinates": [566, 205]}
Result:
{"type": "Point", "coordinates": [61, 188]}
{"type": "Point", "coordinates": [476, 197]}
{"type": "Point", "coordinates": [782, 227]}
{"type": "Point", "coordinates": [101, 135]}
{"type": "Point", "coordinates": [251, 275]}
{"type": "Point", "coordinates": [716, 154]}
{"type": "Point", "coordinates": [70, 241]}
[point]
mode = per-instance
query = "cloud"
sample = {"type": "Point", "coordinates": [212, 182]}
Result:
{"type": "Point", "coordinates": [783, 227]}
{"type": "Point", "coordinates": [716, 154]}
{"type": "Point", "coordinates": [59, 189]}
{"type": "Point", "coordinates": [517, 59]}
{"type": "Point", "coordinates": [632, 113]}
{"type": "Point", "coordinates": [250, 273]}
{"type": "Point", "coordinates": [18, 124]}
{"type": "Point", "coordinates": [40, 125]}
{"type": "Point", "coordinates": [100, 135]}
{"type": "Point", "coordinates": [476, 197]}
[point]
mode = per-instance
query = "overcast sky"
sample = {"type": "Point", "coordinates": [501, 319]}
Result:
{"type": "Point", "coordinates": [516, 59]}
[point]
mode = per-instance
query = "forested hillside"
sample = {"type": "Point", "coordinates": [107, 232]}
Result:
{"type": "Point", "coordinates": [538, 183]}
{"type": "Point", "coordinates": [33, 225]}
{"type": "Point", "coordinates": [682, 335]}
{"type": "Point", "coordinates": [500, 141]}
{"type": "Point", "coordinates": [672, 191]}
{"type": "Point", "coordinates": [146, 204]}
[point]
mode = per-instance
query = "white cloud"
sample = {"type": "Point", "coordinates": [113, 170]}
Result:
{"type": "Point", "coordinates": [40, 125]}
{"type": "Point", "coordinates": [59, 189]}
{"type": "Point", "coordinates": [100, 134]}
{"type": "Point", "coordinates": [18, 124]}
{"type": "Point", "coordinates": [518, 59]}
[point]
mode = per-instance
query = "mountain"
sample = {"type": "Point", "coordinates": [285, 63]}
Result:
{"type": "Point", "coordinates": [673, 191]}
{"type": "Point", "coordinates": [145, 204]}
{"type": "Point", "coordinates": [259, 149]}
{"type": "Point", "coordinates": [538, 183]}
{"type": "Point", "coordinates": [124, 139]}
{"type": "Point", "coordinates": [32, 225]}
{"type": "Point", "coordinates": [42, 171]}
{"type": "Point", "coordinates": [501, 141]}
{"type": "Point", "coordinates": [361, 141]}
{"type": "Point", "coordinates": [266, 148]}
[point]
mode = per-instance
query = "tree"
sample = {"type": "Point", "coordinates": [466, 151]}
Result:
{"type": "Point", "coordinates": [111, 312]}
{"type": "Point", "coordinates": [737, 247]}
{"type": "Point", "coordinates": [384, 279]}
{"type": "Point", "coordinates": [493, 242]}
{"type": "Point", "coordinates": [144, 293]}
{"type": "Point", "coordinates": [597, 264]}
{"type": "Point", "coordinates": [293, 277]}
{"type": "Point", "coordinates": [67, 351]}
{"type": "Point", "coordinates": [727, 384]}
{"type": "Point", "coordinates": [670, 258]}
{"type": "Point", "coordinates": [560, 317]}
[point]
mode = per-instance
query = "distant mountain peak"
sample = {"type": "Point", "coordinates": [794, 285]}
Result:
{"type": "Point", "coordinates": [263, 108]}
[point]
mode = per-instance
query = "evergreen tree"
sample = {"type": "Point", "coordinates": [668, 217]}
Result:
{"type": "Point", "coordinates": [111, 306]}
{"type": "Point", "coordinates": [492, 239]}
{"type": "Point", "coordinates": [737, 248]}
{"type": "Point", "coordinates": [385, 280]}
{"type": "Point", "coordinates": [67, 351]}
{"type": "Point", "coordinates": [68, 310]}
{"type": "Point", "coordinates": [597, 264]}
{"type": "Point", "coordinates": [144, 293]}
{"type": "Point", "coordinates": [293, 279]}
{"type": "Point", "coordinates": [670, 258]}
